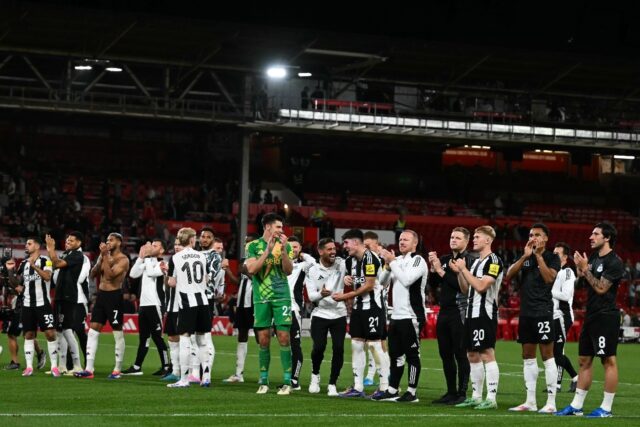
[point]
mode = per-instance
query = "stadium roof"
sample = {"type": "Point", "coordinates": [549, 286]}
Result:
{"type": "Point", "coordinates": [533, 57]}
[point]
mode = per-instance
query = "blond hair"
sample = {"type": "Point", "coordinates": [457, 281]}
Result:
{"type": "Point", "coordinates": [185, 234]}
{"type": "Point", "coordinates": [487, 230]}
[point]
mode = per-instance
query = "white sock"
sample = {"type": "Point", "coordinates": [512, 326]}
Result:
{"type": "Point", "coordinates": [357, 363]}
{"type": "Point", "coordinates": [530, 380]}
{"type": "Point", "coordinates": [382, 360]}
{"type": "Point", "coordinates": [384, 371]}
{"type": "Point", "coordinates": [493, 378]}
{"type": "Point", "coordinates": [29, 350]}
{"type": "Point", "coordinates": [371, 369]}
{"type": "Point", "coordinates": [241, 355]}
{"type": "Point", "coordinates": [607, 402]}
{"type": "Point", "coordinates": [195, 358]}
{"type": "Point", "coordinates": [63, 346]}
{"type": "Point", "coordinates": [73, 347]}
{"type": "Point", "coordinates": [174, 353]}
{"type": "Point", "coordinates": [578, 398]}
{"type": "Point", "coordinates": [477, 379]}
{"type": "Point", "coordinates": [411, 390]}
{"type": "Point", "coordinates": [52, 346]}
{"type": "Point", "coordinates": [118, 336]}
{"type": "Point", "coordinates": [551, 376]}
{"type": "Point", "coordinates": [185, 357]}
{"type": "Point", "coordinates": [206, 353]}
{"type": "Point", "coordinates": [92, 348]}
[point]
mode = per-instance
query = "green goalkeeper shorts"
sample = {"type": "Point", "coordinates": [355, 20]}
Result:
{"type": "Point", "coordinates": [277, 313]}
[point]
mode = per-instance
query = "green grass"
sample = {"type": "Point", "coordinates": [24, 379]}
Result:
{"type": "Point", "coordinates": [42, 400]}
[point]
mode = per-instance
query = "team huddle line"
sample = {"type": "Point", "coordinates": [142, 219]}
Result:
{"type": "Point", "coordinates": [380, 294]}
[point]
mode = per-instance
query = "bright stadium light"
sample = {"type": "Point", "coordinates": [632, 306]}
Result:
{"type": "Point", "coordinates": [114, 69]}
{"type": "Point", "coordinates": [277, 72]}
{"type": "Point", "coordinates": [83, 67]}
{"type": "Point", "coordinates": [304, 74]}
{"type": "Point", "coordinates": [624, 157]}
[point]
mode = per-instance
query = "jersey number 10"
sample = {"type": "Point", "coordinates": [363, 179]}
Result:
{"type": "Point", "coordinates": [198, 271]}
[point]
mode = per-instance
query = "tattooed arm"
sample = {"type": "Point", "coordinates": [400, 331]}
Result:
{"type": "Point", "coordinates": [601, 286]}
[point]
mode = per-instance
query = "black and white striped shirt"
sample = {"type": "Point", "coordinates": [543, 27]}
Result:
{"type": "Point", "coordinates": [360, 269]}
{"type": "Point", "coordinates": [36, 289]}
{"type": "Point", "coordinates": [485, 304]}
{"type": "Point", "coordinates": [192, 278]}
{"type": "Point", "coordinates": [245, 292]}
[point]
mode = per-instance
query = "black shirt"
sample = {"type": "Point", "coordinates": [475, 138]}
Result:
{"type": "Point", "coordinates": [611, 268]}
{"type": "Point", "coordinates": [451, 299]}
{"type": "Point", "coordinates": [535, 295]}
{"type": "Point", "coordinates": [67, 283]}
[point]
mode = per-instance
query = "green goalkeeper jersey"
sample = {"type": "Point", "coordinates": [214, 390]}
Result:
{"type": "Point", "coordinates": [270, 283]}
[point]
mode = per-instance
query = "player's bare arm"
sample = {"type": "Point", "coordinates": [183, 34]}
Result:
{"type": "Point", "coordinates": [113, 272]}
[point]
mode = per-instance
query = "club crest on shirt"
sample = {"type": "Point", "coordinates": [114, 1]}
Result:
{"type": "Point", "coordinates": [599, 269]}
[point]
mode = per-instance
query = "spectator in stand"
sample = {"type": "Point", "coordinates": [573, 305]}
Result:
{"type": "Point", "coordinates": [498, 205]}
{"type": "Point", "coordinates": [149, 213]}
{"type": "Point", "coordinates": [304, 98]}
{"type": "Point", "coordinates": [279, 206]}
{"type": "Point", "coordinates": [267, 199]}
{"type": "Point", "coordinates": [625, 319]}
{"type": "Point", "coordinates": [77, 207]}
{"type": "Point", "coordinates": [80, 190]}
{"type": "Point", "coordinates": [632, 294]}
{"type": "Point", "coordinates": [151, 193]}
{"type": "Point", "coordinates": [11, 188]}
{"type": "Point", "coordinates": [400, 225]}
{"type": "Point", "coordinates": [629, 270]}
{"type": "Point", "coordinates": [150, 230]}
{"type": "Point", "coordinates": [317, 93]}
{"type": "Point", "coordinates": [514, 299]}
{"type": "Point", "coordinates": [317, 217]}
{"type": "Point", "coordinates": [117, 197]}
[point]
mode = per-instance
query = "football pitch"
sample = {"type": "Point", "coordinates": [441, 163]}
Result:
{"type": "Point", "coordinates": [145, 400]}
